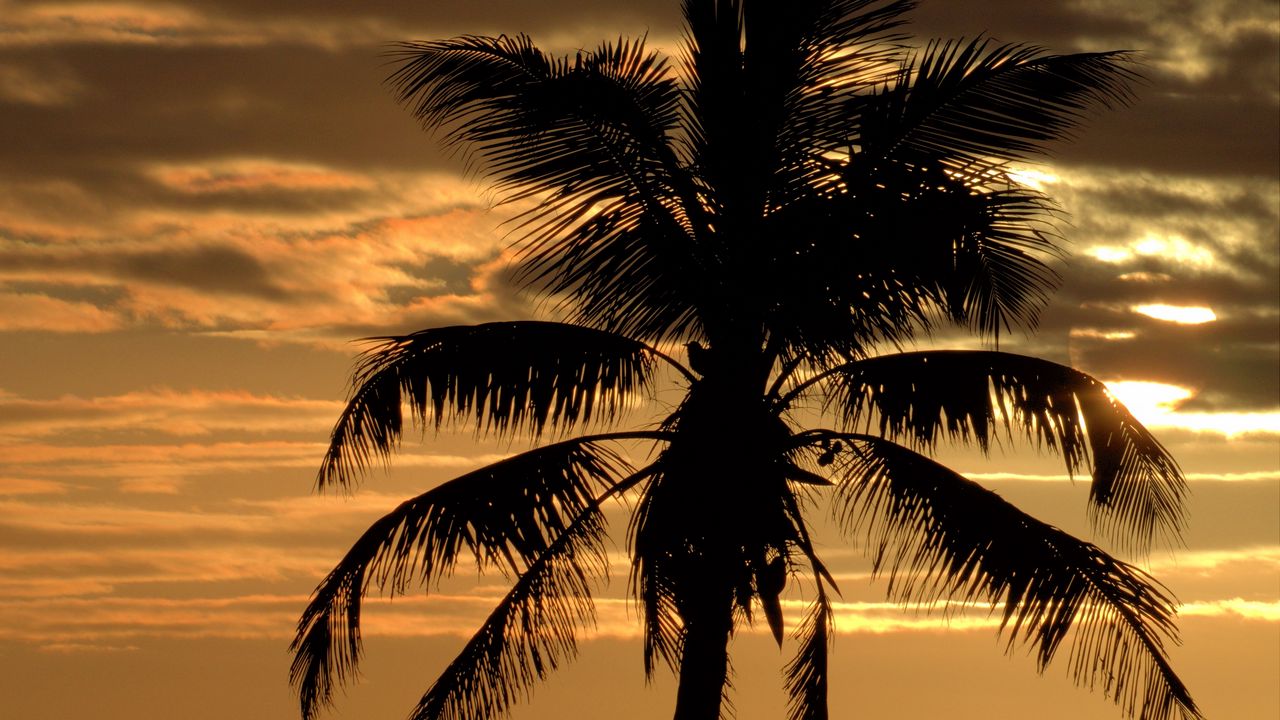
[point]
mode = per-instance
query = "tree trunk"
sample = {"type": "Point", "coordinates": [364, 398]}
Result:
{"type": "Point", "coordinates": [704, 663]}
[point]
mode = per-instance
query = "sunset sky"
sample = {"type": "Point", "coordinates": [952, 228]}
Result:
{"type": "Point", "coordinates": [202, 203]}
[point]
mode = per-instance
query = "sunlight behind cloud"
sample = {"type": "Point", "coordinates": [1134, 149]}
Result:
{"type": "Point", "coordinates": [1033, 178]}
{"type": "Point", "coordinates": [1173, 248]}
{"type": "Point", "coordinates": [1148, 399]}
{"type": "Point", "coordinates": [1095, 334]}
{"type": "Point", "coordinates": [1181, 314]}
{"type": "Point", "coordinates": [1156, 406]}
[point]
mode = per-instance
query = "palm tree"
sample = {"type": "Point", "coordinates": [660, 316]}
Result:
{"type": "Point", "coordinates": [796, 203]}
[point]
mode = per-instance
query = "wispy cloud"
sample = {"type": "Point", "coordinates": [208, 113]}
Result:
{"type": "Point", "coordinates": [177, 25]}
{"type": "Point", "coordinates": [37, 311]}
{"type": "Point", "coordinates": [164, 412]}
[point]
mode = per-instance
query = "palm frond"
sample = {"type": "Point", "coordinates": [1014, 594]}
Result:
{"type": "Point", "coordinates": [655, 576]}
{"type": "Point", "coordinates": [805, 62]}
{"type": "Point", "coordinates": [503, 377]}
{"type": "Point", "coordinates": [769, 86]}
{"type": "Point", "coordinates": [806, 673]}
{"type": "Point", "coordinates": [529, 633]}
{"type": "Point", "coordinates": [506, 515]}
{"type": "Point", "coordinates": [1137, 491]}
{"type": "Point", "coordinates": [937, 534]}
{"type": "Point", "coordinates": [961, 249]}
{"type": "Point", "coordinates": [977, 101]}
{"type": "Point", "coordinates": [588, 138]}
{"type": "Point", "coordinates": [540, 122]}
{"type": "Point", "coordinates": [967, 238]}
{"type": "Point", "coordinates": [999, 280]}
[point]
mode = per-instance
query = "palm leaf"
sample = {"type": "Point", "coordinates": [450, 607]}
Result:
{"type": "Point", "coordinates": [927, 172]}
{"type": "Point", "coordinates": [999, 279]}
{"type": "Point", "coordinates": [937, 534]}
{"type": "Point", "coordinates": [971, 241]}
{"type": "Point", "coordinates": [588, 139]}
{"type": "Point", "coordinates": [1137, 490]}
{"type": "Point", "coordinates": [898, 247]}
{"type": "Point", "coordinates": [506, 515]}
{"type": "Point", "coordinates": [503, 377]}
{"type": "Point", "coordinates": [769, 85]}
{"type": "Point", "coordinates": [540, 122]}
{"type": "Point", "coordinates": [529, 633]}
{"type": "Point", "coordinates": [806, 674]}
{"type": "Point", "coordinates": [975, 102]}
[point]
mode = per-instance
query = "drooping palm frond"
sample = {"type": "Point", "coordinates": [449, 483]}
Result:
{"type": "Point", "coordinates": [529, 633]}
{"type": "Point", "coordinates": [806, 674]}
{"type": "Point", "coordinates": [937, 534]}
{"type": "Point", "coordinates": [503, 377]}
{"type": "Point", "coordinates": [966, 103]}
{"type": "Point", "coordinates": [505, 515]}
{"type": "Point", "coordinates": [588, 139]}
{"type": "Point", "coordinates": [1137, 490]}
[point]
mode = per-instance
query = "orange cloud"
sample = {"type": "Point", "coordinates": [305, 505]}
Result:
{"type": "Point", "coordinates": [29, 486]}
{"type": "Point", "coordinates": [401, 249]}
{"type": "Point", "coordinates": [134, 23]}
{"type": "Point", "coordinates": [165, 412]}
{"type": "Point", "coordinates": [252, 175]}
{"type": "Point", "coordinates": [34, 311]}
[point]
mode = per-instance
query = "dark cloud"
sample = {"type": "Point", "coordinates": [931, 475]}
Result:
{"type": "Point", "coordinates": [1226, 373]}
{"type": "Point", "coordinates": [1231, 362]}
{"type": "Point", "coordinates": [445, 18]}
{"type": "Point", "coordinates": [211, 269]}
{"type": "Point", "coordinates": [50, 365]}
{"type": "Point", "coordinates": [194, 104]}
{"type": "Point", "coordinates": [444, 275]}
{"type": "Point", "coordinates": [1184, 134]}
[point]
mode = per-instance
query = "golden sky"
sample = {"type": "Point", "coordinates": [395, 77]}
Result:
{"type": "Point", "coordinates": [202, 203]}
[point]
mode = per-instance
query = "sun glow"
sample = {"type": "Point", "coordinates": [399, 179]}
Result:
{"type": "Point", "coordinates": [1156, 406]}
{"type": "Point", "coordinates": [1032, 178]}
{"type": "Point", "coordinates": [1173, 248]}
{"type": "Point", "coordinates": [1181, 314]}
{"type": "Point", "coordinates": [1148, 399]}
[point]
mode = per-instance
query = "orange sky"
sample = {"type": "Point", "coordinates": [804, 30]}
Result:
{"type": "Point", "coordinates": [202, 203]}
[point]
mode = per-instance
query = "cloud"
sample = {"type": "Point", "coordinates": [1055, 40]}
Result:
{"type": "Point", "coordinates": [1142, 241]}
{"type": "Point", "coordinates": [1266, 611]}
{"type": "Point", "coordinates": [246, 176]}
{"type": "Point", "coordinates": [43, 87]}
{"type": "Point", "coordinates": [417, 250]}
{"type": "Point", "coordinates": [29, 486]}
{"type": "Point", "coordinates": [21, 311]}
{"type": "Point", "coordinates": [1158, 405]}
{"type": "Point", "coordinates": [164, 412]}
{"type": "Point", "coordinates": [174, 24]}
{"type": "Point", "coordinates": [90, 623]}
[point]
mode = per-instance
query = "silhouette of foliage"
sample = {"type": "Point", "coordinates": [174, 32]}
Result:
{"type": "Point", "coordinates": [795, 201]}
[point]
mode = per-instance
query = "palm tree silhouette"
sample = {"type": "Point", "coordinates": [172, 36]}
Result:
{"type": "Point", "coordinates": [796, 203]}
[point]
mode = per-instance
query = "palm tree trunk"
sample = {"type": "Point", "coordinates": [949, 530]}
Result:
{"type": "Point", "coordinates": [704, 662]}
